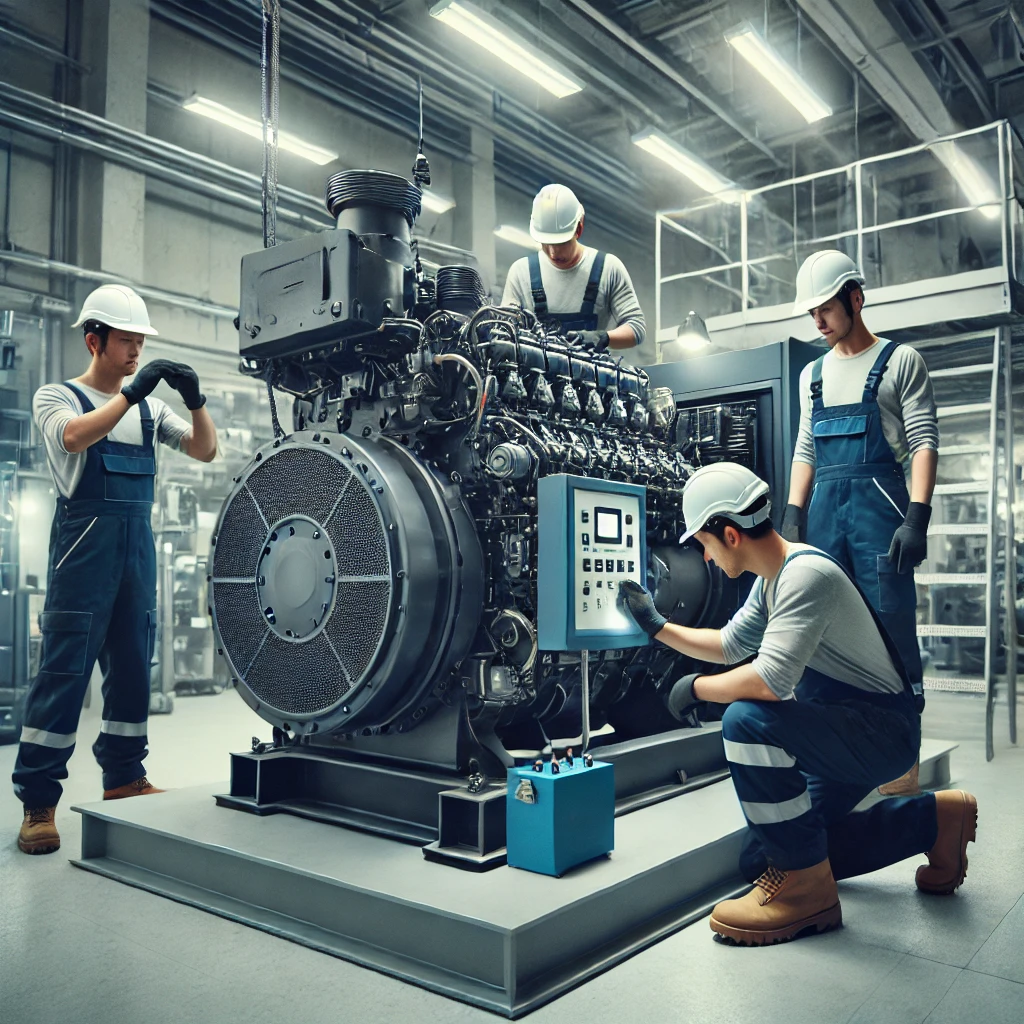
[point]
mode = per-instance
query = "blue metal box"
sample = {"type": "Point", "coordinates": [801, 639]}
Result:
{"type": "Point", "coordinates": [571, 819]}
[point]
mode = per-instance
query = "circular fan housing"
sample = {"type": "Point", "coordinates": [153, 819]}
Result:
{"type": "Point", "coordinates": [346, 580]}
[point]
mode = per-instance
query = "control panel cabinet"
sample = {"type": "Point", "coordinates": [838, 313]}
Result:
{"type": "Point", "coordinates": [591, 537]}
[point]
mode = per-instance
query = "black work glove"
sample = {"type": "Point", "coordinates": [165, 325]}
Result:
{"type": "Point", "coordinates": [681, 700]}
{"type": "Point", "coordinates": [143, 383]}
{"type": "Point", "coordinates": [597, 340]}
{"type": "Point", "coordinates": [794, 524]}
{"type": "Point", "coordinates": [910, 542]}
{"type": "Point", "coordinates": [640, 605]}
{"type": "Point", "coordinates": [185, 381]}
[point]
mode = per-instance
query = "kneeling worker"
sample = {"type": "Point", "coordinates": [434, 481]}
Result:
{"type": "Point", "coordinates": [823, 715]}
{"type": "Point", "coordinates": [101, 585]}
{"type": "Point", "coordinates": [586, 293]}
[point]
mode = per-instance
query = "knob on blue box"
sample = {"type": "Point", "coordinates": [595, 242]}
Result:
{"type": "Point", "coordinates": [556, 821]}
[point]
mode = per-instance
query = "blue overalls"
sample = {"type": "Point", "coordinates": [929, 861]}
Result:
{"type": "Point", "coordinates": [800, 767]}
{"type": "Point", "coordinates": [859, 501]}
{"type": "Point", "coordinates": [586, 318]}
{"type": "Point", "coordinates": [100, 603]}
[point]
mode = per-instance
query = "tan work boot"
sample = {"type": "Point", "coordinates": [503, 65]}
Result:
{"type": "Point", "coordinates": [38, 832]}
{"type": "Point", "coordinates": [957, 814]}
{"type": "Point", "coordinates": [781, 906]}
{"type": "Point", "coordinates": [140, 787]}
{"type": "Point", "coordinates": [905, 785]}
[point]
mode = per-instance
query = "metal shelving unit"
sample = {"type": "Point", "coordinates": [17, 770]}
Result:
{"type": "Point", "coordinates": [974, 519]}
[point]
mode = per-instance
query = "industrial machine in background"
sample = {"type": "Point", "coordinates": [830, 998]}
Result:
{"type": "Point", "coordinates": [374, 570]}
{"type": "Point", "coordinates": [741, 407]}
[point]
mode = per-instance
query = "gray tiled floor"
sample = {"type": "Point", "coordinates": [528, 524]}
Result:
{"type": "Point", "coordinates": [77, 947]}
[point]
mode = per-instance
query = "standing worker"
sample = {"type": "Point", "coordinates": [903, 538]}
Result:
{"type": "Point", "coordinates": [574, 286]}
{"type": "Point", "coordinates": [101, 584]}
{"type": "Point", "coordinates": [866, 406]}
{"type": "Point", "coordinates": [821, 716]}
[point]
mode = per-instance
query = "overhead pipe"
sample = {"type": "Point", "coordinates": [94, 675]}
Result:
{"type": "Point", "coordinates": [166, 298]}
{"type": "Point", "coordinates": [157, 170]}
{"type": "Point", "coordinates": [186, 160]}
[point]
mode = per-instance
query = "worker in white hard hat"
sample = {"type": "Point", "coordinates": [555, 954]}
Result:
{"type": "Point", "coordinates": [100, 435]}
{"type": "Point", "coordinates": [866, 407]}
{"type": "Point", "coordinates": [821, 716]}
{"type": "Point", "coordinates": [583, 293]}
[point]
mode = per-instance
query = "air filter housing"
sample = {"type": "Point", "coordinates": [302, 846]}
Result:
{"type": "Point", "coordinates": [315, 576]}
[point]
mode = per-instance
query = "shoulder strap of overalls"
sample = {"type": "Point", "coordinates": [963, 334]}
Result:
{"type": "Point", "coordinates": [894, 653]}
{"type": "Point", "coordinates": [147, 424]}
{"type": "Point", "coordinates": [874, 377]}
{"type": "Point", "coordinates": [816, 401]}
{"type": "Point", "coordinates": [540, 298]}
{"type": "Point", "coordinates": [87, 406]}
{"type": "Point", "coordinates": [593, 283]}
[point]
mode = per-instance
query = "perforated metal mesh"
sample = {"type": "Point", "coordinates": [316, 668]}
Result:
{"type": "Point", "coordinates": [297, 678]}
{"type": "Point", "coordinates": [241, 624]}
{"type": "Point", "coordinates": [303, 678]}
{"type": "Point", "coordinates": [240, 539]}
{"type": "Point", "coordinates": [298, 480]}
{"type": "Point", "coordinates": [357, 623]}
{"type": "Point", "coordinates": [358, 534]}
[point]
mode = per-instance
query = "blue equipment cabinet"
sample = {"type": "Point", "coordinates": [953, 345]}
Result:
{"type": "Point", "coordinates": [591, 536]}
{"type": "Point", "coordinates": [555, 822]}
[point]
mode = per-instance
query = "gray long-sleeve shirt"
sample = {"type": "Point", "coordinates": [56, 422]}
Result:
{"type": "Point", "coordinates": [616, 304]}
{"type": "Point", "coordinates": [55, 406]}
{"type": "Point", "coordinates": [809, 615]}
{"type": "Point", "coordinates": [906, 401]}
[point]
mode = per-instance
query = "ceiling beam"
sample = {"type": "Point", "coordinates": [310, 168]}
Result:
{"type": "Point", "coordinates": [952, 51]}
{"type": "Point", "coordinates": [879, 54]}
{"type": "Point", "coordinates": [621, 36]}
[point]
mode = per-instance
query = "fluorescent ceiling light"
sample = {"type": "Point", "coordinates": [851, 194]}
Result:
{"type": "Point", "coordinates": [516, 235]}
{"type": "Point", "coordinates": [436, 203]}
{"type": "Point", "coordinates": [977, 186]}
{"type": "Point", "coordinates": [764, 60]}
{"type": "Point", "coordinates": [225, 115]}
{"type": "Point", "coordinates": [515, 51]}
{"type": "Point", "coordinates": [660, 145]}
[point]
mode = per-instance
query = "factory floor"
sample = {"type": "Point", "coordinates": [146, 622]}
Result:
{"type": "Point", "coordinates": [76, 947]}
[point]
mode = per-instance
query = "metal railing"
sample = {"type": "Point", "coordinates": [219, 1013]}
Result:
{"type": "Point", "coordinates": [928, 211]}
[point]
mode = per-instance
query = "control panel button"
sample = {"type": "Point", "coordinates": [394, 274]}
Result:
{"type": "Point", "coordinates": [629, 540]}
{"type": "Point", "coordinates": [629, 519]}
{"type": "Point", "coordinates": [586, 606]}
{"type": "Point", "coordinates": [584, 517]}
{"type": "Point", "coordinates": [632, 567]}
{"type": "Point", "coordinates": [586, 565]}
{"type": "Point", "coordinates": [598, 565]}
{"type": "Point", "coordinates": [584, 539]}
{"type": "Point", "coordinates": [586, 591]}
{"type": "Point", "coordinates": [620, 566]}
{"type": "Point", "coordinates": [611, 585]}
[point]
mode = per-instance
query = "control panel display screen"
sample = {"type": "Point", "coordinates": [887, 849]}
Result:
{"type": "Point", "coordinates": [607, 526]}
{"type": "Point", "coordinates": [607, 542]}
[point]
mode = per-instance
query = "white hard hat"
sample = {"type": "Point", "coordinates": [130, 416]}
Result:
{"type": "Point", "coordinates": [821, 277]}
{"type": "Point", "coordinates": [556, 212]}
{"type": "Point", "coordinates": [117, 306]}
{"type": "Point", "coordinates": [724, 489]}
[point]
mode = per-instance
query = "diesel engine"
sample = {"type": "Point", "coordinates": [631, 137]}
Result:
{"type": "Point", "coordinates": [377, 563]}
